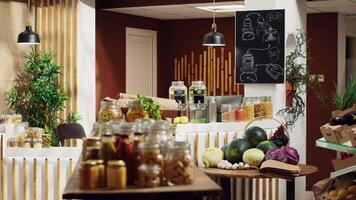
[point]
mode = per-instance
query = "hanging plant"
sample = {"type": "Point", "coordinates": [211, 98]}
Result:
{"type": "Point", "coordinates": [297, 78]}
{"type": "Point", "coordinates": [38, 95]}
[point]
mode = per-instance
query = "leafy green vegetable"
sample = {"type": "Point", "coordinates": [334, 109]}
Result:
{"type": "Point", "coordinates": [150, 106]}
{"type": "Point", "coordinates": [346, 98]}
{"type": "Point", "coordinates": [38, 95]}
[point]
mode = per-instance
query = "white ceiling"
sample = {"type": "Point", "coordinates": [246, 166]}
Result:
{"type": "Point", "coordinates": [347, 7]}
{"type": "Point", "coordinates": [181, 11]}
{"type": "Point", "coordinates": [189, 11]}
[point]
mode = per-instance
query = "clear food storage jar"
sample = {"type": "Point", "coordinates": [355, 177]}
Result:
{"type": "Point", "coordinates": [149, 175]}
{"type": "Point", "coordinates": [267, 107]}
{"type": "Point", "coordinates": [178, 164]}
{"type": "Point", "coordinates": [227, 114]}
{"type": "Point", "coordinates": [109, 111]}
{"type": "Point", "coordinates": [249, 108]}
{"type": "Point", "coordinates": [136, 111]}
{"type": "Point", "coordinates": [178, 92]}
{"type": "Point", "coordinates": [197, 94]}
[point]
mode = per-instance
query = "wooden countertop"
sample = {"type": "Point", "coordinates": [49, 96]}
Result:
{"type": "Point", "coordinates": [254, 173]}
{"type": "Point", "coordinates": [202, 186]}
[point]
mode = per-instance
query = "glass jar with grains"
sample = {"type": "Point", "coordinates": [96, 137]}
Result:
{"type": "Point", "coordinates": [136, 111]}
{"type": "Point", "coordinates": [109, 110]}
{"type": "Point", "coordinates": [178, 164]}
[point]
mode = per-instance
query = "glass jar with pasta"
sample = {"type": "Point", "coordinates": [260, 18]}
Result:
{"type": "Point", "coordinates": [109, 110]}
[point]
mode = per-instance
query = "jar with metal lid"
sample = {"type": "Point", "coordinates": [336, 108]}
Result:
{"type": "Point", "coordinates": [258, 107]}
{"type": "Point", "coordinates": [102, 128]}
{"type": "Point", "coordinates": [107, 148]}
{"type": "Point", "coordinates": [249, 108]}
{"type": "Point", "coordinates": [160, 133]}
{"type": "Point", "coordinates": [37, 142]}
{"type": "Point", "coordinates": [136, 111]}
{"type": "Point", "coordinates": [178, 92]}
{"type": "Point", "coordinates": [239, 113]}
{"type": "Point", "coordinates": [267, 107]}
{"type": "Point", "coordinates": [149, 153]}
{"type": "Point", "coordinates": [90, 142]}
{"type": "Point", "coordinates": [109, 110]}
{"type": "Point", "coordinates": [178, 164]}
{"type": "Point", "coordinates": [125, 148]}
{"type": "Point", "coordinates": [92, 153]}
{"type": "Point", "coordinates": [226, 113]}
{"type": "Point", "coordinates": [34, 132]}
{"type": "Point", "coordinates": [101, 174]}
{"type": "Point", "coordinates": [27, 142]}
{"type": "Point", "coordinates": [89, 175]}
{"type": "Point", "coordinates": [116, 174]}
{"type": "Point", "coordinates": [149, 175]}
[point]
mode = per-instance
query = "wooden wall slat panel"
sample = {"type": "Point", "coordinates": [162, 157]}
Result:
{"type": "Point", "coordinates": [56, 23]}
{"type": "Point", "coordinates": [211, 66]}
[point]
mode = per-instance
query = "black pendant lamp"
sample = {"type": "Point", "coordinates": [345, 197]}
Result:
{"type": "Point", "coordinates": [28, 36]}
{"type": "Point", "coordinates": [214, 38]}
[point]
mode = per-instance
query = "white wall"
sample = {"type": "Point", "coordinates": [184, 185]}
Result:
{"type": "Point", "coordinates": [86, 63]}
{"type": "Point", "coordinates": [295, 11]}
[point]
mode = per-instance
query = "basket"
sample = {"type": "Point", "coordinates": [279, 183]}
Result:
{"type": "Point", "coordinates": [276, 120]}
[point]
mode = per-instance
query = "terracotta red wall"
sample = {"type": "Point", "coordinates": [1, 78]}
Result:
{"type": "Point", "coordinates": [110, 50]}
{"type": "Point", "coordinates": [322, 32]}
{"type": "Point", "coordinates": [175, 38]}
{"type": "Point", "coordinates": [185, 36]}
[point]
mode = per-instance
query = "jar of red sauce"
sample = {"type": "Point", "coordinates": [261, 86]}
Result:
{"type": "Point", "coordinates": [239, 114]}
{"type": "Point", "coordinates": [125, 149]}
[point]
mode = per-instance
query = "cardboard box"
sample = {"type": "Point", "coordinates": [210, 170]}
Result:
{"type": "Point", "coordinates": [339, 164]}
{"type": "Point", "coordinates": [334, 134]}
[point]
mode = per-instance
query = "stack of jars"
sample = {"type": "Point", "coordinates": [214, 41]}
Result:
{"type": "Point", "coordinates": [142, 153]}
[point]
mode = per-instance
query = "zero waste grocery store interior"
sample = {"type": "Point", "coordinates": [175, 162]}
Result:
{"type": "Point", "coordinates": [193, 99]}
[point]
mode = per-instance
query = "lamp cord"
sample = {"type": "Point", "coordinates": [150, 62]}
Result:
{"type": "Point", "coordinates": [28, 11]}
{"type": "Point", "coordinates": [214, 24]}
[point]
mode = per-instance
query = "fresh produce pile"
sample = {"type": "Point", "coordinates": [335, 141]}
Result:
{"type": "Point", "coordinates": [251, 150]}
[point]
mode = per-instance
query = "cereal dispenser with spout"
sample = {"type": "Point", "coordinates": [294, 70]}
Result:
{"type": "Point", "coordinates": [197, 102]}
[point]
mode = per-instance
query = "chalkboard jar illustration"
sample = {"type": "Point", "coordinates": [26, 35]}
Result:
{"type": "Point", "coordinates": [247, 30]}
{"type": "Point", "coordinates": [248, 68]}
{"type": "Point", "coordinates": [197, 102]}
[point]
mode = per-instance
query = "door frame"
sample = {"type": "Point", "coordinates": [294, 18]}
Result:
{"type": "Point", "coordinates": [153, 63]}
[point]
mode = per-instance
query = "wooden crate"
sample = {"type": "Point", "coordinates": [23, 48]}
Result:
{"type": "Point", "coordinates": [351, 132]}
{"type": "Point", "coordinates": [340, 113]}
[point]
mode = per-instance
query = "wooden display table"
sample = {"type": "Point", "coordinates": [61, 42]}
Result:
{"type": "Point", "coordinates": [254, 173]}
{"type": "Point", "coordinates": [202, 186]}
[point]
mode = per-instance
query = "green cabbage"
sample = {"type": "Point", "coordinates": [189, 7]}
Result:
{"type": "Point", "coordinates": [211, 156]}
{"type": "Point", "coordinates": [253, 157]}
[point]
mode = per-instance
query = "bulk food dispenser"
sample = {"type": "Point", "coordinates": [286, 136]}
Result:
{"type": "Point", "coordinates": [178, 92]}
{"type": "Point", "coordinates": [197, 102]}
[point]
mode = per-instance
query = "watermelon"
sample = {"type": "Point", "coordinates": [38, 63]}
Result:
{"type": "Point", "coordinates": [266, 145]}
{"type": "Point", "coordinates": [223, 148]}
{"type": "Point", "coordinates": [235, 150]}
{"type": "Point", "coordinates": [255, 135]}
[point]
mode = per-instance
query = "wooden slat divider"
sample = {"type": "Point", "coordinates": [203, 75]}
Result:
{"type": "Point", "coordinates": [178, 72]}
{"type": "Point", "coordinates": [58, 180]}
{"type": "Point", "coordinates": [217, 138]}
{"type": "Point", "coordinates": [243, 190]}
{"type": "Point", "coordinates": [14, 178]}
{"type": "Point", "coordinates": [196, 145]}
{"type": "Point", "coordinates": [264, 189]}
{"type": "Point", "coordinates": [257, 189]}
{"type": "Point", "coordinates": [24, 172]}
{"type": "Point", "coordinates": [250, 189]}
{"type": "Point", "coordinates": [175, 69]}
{"type": "Point", "coordinates": [200, 67]}
{"type": "Point", "coordinates": [34, 184]}
{"type": "Point", "coordinates": [46, 180]}
{"type": "Point", "coordinates": [207, 141]}
{"type": "Point", "coordinates": [68, 55]}
{"type": "Point", "coordinates": [276, 189]}
{"type": "Point", "coordinates": [75, 56]}
{"type": "Point", "coordinates": [192, 60]}
{"type": "Point", "coordinates": [270, 189]}
{"type": "Point", "coordinates": [204, 60]}
{"type": "Point", "coordinates": [222, 81]}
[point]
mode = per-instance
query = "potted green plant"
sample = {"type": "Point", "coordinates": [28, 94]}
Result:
{"type": "Point", "coordinates": [297, 78]}
{"type": "Point", "coordinates": [38, 95]}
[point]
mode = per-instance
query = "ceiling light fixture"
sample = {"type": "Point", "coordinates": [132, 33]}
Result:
{"type": "Point", "coordinates": [28, 36]}
{"type": "Point", "coordinates": [222, 8]}
{"type": "Point", "coordinates": [214, 38]}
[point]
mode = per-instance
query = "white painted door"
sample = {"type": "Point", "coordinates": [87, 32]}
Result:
{"type": "Point", "coordinates": [141, 62]}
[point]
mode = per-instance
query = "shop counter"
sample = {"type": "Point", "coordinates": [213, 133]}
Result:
{"type": "Point", "coordinates": [36, 173]}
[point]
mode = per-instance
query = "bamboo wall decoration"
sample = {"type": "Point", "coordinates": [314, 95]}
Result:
{"type": "Point", "coordinates": [211, 66]}
{"type": "Point", "coordinates": [56, 23]}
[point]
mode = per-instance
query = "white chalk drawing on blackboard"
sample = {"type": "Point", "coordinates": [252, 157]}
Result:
{"type": "Point", "coordinates": [274, 16]}
{"type": "Point", "coordinates": [273, 54]}
{"type": "Point", "coordinates": [273, 70]}
{"type": "Point", "coordinates": [269, 33]}
{"type": "Point", "coordinates": [248, 30]}
{"type": "Point", "coordinates": [248, 68]}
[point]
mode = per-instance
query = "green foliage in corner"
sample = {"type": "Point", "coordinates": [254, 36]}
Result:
{"type": "Point", "coordinates": [346, 98]}
{"type": "Point", "coordinates": [150, 106]}
{"type": "Point", "coordinates": [38, 95]}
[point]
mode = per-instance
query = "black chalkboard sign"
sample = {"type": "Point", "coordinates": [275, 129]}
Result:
{"type": "Point", "coordinates": [260, 46]}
